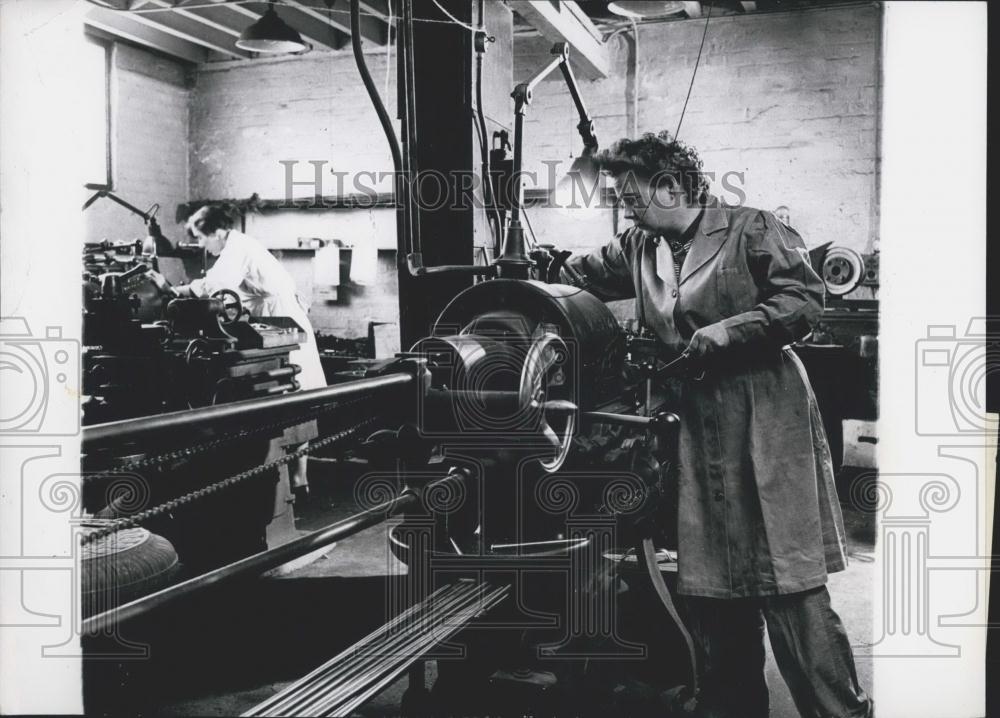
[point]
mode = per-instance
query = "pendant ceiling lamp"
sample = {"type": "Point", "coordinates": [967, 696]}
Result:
{"type": "Point", "coordinates": [271, 35]}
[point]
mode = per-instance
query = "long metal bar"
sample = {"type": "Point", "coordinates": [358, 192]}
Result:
{"type": "Point", "coordinates": [385, 628]}
{"type": "Point", "coordinates": [603, 417]}
{"type": "Point", "coordinates": [259, 562]}
{"type": "Point", "coordinates": [467, 614]}
{"type": "Point", "coordinates": [366, 657]}
{"type": "Point", "coordinates": [409, 115]}
{"type": "Point", "coordinates": [346, 697]}
{"type": "Point", "coordinates": [402, 648]}
{"type": "Point", "coordinates": [403, 654]}
{"type": "Point", "coordinates": [245, 411]}
{"type": "Point", "coordinates": [304, 698]}
{"type": "Point", "coordinates": [305, 688]}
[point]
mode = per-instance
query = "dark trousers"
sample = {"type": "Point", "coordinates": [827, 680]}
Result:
{"type": "Point", "coordinates": [810, 647]}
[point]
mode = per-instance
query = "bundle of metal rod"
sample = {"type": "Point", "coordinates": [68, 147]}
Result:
{"type": "Point", "coordinates": [352, 677]}
{"type": "Point", "coordinates": [265, 560]}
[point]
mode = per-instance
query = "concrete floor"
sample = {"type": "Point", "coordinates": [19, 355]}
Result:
{"type": "Point", "coordinates": [365, 555]}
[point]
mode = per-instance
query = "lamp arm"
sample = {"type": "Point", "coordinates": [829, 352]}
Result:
{"type": "Point", "coordinates": [586, 126]}
{"type": "Point", "coordinates": [514, 260]}
{"type": "Point", "coordinates": [146, 216]}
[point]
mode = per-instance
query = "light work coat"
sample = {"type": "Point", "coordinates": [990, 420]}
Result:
{"type": "Point", "coordinates": [266, 289]}
{"type": "Point", "coordinates": [758, 509]}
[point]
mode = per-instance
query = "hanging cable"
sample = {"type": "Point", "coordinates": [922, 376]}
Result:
{"type": "Point", "coordinates": [635, 79]}
{"type": "Point", "coordinates": [694, 72]}
{"type": "Point", "coordinates": [399, 190]}
{"type": "Point", "coordinates": [470, 28]}
{"type": "Point", "coordinates": [388, 49]}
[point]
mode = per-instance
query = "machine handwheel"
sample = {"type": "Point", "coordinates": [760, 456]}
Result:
{"type": "Point", "coordinates": [232, 307]}
{"type": "Point", "coordinates": [545, 353]}
{"type": "Point", "coordinates": [843, 270]}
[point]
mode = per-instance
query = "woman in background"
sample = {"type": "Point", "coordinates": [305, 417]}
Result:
{"type": "Point", "coordinates": [265, 288]}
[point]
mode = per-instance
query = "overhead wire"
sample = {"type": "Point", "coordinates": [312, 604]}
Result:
{"type": "Point", "coordinates": [470, 28]}
{"type": "Point", "coordinates": [694, 72]}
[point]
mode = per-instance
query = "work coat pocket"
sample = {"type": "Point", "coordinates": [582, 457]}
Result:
{"type": "Point", "coordinates": [734, 291]}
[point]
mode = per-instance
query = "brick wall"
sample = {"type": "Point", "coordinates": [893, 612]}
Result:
{"type": "Point", "coordinates": [788, 99]}
{"type": "Point", "coordinates": [246, 118]}
{"type": "Point", "coordinates": [149, 145]}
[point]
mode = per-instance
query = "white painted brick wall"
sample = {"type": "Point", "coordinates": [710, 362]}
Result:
{"type": "Point", "coordinates": [790, 99]}
{"type": "Point", "coordinates": [150, 145]}
{"type": "Point", "coordinates": [248, 117]}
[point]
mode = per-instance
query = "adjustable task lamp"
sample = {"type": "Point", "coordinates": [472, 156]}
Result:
{"type": "Point", "coordinates": [514, 262]}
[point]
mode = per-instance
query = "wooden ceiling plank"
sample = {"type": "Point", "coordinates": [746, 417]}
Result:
{"type": "Point", "coordinates": [228, 29]}
{"type": "Point", "coordinates": [190, 31]}
{"type": "Point", "coordinates": [238, 17]}
{"type": "Point", "coordinates": [378, 8]}
{"type": "Point", "coordinates": [338, 17]}
{"type": "Point", "coordinates": [558, 23]}
{"type": "Point", "coordinates": [121, 25]}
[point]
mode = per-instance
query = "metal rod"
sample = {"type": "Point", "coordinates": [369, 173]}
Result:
{"type": "Point", "coordinates": [586, 125]}
{"type": "Point", "coordinates": [515, 210]}
{"type": "Point", "coordinates": [404, 648]}
{"type": "Point", "coordinates": [304, 693]}
{"type": "Point", "coordinates": [344, 701]}
{"type": "Point", "coordinates": [531, 84]}
{"type": "Point", "coordinates": [604, 417]}
{"type": "Point", "coordinates": [467, 615]}
{"type": "Point", "coordinates": [410, 168]}
{"type": "Point", "coordinates": [244, 411]}
{"type": "Point", "coordinates": [372, 655]}
{"type": "Point", "coordinates": [276, 698]}
{"type": "Point", "coordinates": [307, 695]}
{"type": "Point", "coordinates": [259, 562]}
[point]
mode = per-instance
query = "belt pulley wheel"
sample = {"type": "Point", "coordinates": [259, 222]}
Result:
{"type": "Point", "coordinates": [843, 270]}
{"type": "Point", "coordinates": [546, 355]}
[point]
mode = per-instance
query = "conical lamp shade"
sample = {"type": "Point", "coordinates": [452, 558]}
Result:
{"type": "Point", "coordinates": [271, 35]}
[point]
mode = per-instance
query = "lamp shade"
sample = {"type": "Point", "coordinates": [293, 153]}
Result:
{"type": "Point", "coordinates": [646, 8]}
{"type": "Point", "coordinates": [271, 35]}
{"type": "Point", "coordinates": [580, 187]}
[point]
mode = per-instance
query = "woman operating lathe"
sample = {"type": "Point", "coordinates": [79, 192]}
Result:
{"type": "Point", "coordinates": [265, 288]}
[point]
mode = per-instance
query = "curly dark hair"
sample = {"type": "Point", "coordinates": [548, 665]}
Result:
{"type": "Point", "coordinates": [653, 157]}
{"type": "Point", "coordinates": [212, 217]}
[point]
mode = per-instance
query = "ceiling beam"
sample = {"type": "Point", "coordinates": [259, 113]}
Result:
{"type": "Point", "coordinates": [557, 22]}
{"type": "Point", "coordinates": [378, 8]}
{"type": "Point", "coordinates": [191, 15]}
{"type": "Point", "coordinates": [692, 9]}
{"type": "Point", "coordinates": [193, 31]}
{"type": "Point", "coordinates": [234, 18]}
{"type": "Point", "coordinates": [337, 15]}
{"type": "Point", "coordinates": [122, 25]}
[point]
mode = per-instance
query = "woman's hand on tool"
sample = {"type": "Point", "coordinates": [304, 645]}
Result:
{"type": "Point", "coordinates": [708, 340]}
{"type": "Point", "coordinates": [162, 284]}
